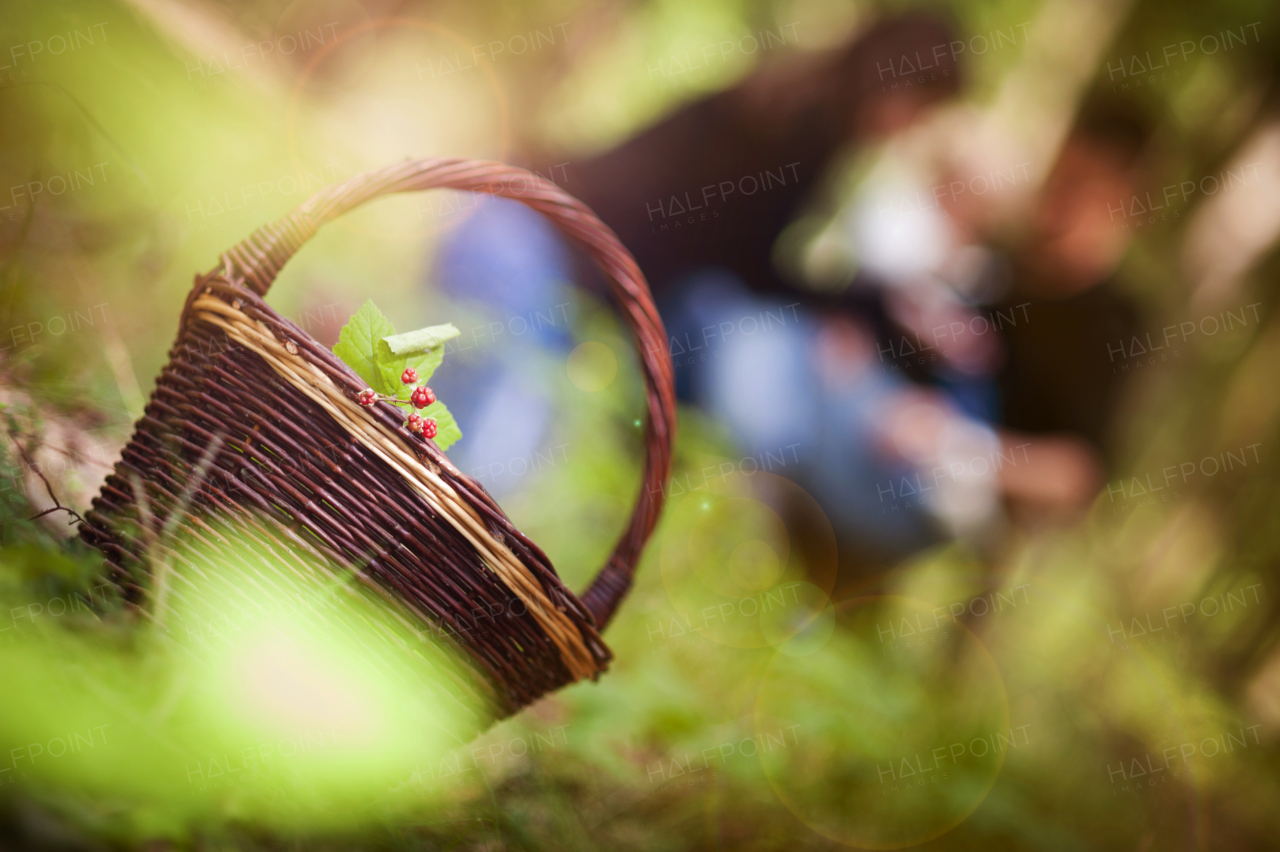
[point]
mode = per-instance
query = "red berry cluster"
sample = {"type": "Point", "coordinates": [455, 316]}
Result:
{"type": "Point", "coordinates": [425, 426]}
{"type": "Point", "coordinates": [421, 397]}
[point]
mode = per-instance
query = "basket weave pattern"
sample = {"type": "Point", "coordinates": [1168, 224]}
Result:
{"type": "Point", "coordinates": [253, 420]}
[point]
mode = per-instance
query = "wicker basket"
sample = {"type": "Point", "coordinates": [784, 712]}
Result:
{"type": "Point", "coordinates": [354, 489]}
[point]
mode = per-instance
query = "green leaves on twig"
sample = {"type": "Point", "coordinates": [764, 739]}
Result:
{"type": "Point", "coordinates": [369, 345]}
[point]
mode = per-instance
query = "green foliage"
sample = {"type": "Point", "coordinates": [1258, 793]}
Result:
{"type": "Point", "coordinates": [422, 340]}
{"type": "Point", "coordinates": [358, 345]}
{"type": "Point", "coordinates": [36, 563]}
{"type": "Point", "coordinates": [368, 344]}
{"type": "Point", "coordinates": [305, 703]}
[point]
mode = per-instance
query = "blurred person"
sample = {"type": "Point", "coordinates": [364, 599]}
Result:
{"type": "Point", "coordinates": [1059, 372]}
{"type": "Point", "coordinates": [715, 183]}
{"type": "Point", "coordinates": [1048, 380]}
{"type": "Point", "coordinates": [700, 199]}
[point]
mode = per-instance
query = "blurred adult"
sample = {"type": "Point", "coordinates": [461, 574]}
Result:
{"type": "Point", "coordinates": [700, 199]}
{"type": "Point", "coordinates": [1049, 381]}
{"type": "Point", "coordinates": [716, 182]}
{"type": "Point", "coordinates": [1061, 372]}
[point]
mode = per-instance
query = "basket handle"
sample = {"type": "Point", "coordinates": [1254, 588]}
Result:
{"type": "Point", "coordinates": [258, 259]}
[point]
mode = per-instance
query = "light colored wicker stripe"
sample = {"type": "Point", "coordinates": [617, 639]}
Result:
{"type": "Point", "coordinates": [317, 386]}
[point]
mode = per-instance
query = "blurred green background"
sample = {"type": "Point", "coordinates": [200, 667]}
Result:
{"type": "Point", "coordinates": [1055, 684]}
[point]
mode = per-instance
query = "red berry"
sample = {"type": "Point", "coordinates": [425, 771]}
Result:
{"type": "Point", "coordinates": [367, 397]}
{"type": "Point", "coordinates": [409, 376]}
{"type": "Point", "coordinates": [422, 396]}
{"type": "Point", "coordinates": [414, 423]}
{"type": "Point", "coordinates": [429, 427]}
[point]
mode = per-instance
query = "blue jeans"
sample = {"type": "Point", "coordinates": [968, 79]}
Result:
{"type": "Point", "coordinates": [750, 363]}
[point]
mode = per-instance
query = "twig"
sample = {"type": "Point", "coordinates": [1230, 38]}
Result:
{"type": "Point", "coordinates": [57, 504]}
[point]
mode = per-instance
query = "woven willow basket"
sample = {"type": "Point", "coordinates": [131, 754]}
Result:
{"type": "Point", "coordinates": [254, 423]}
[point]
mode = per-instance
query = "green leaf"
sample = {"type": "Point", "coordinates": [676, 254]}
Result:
{"type": "Point", "coordinates": [447, 431]}
{"type": "Point", "coordinates": [357, 345]}
{"type": "Point", "coordinates": [391, 366]}
{"type": "Point", "coordinates": [421, 340]}
{"type": "Point", "coordinates": [423, 350]}
{"type": "Point", "coordinates": [368, 344]}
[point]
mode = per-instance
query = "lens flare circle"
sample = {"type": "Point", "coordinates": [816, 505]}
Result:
{"type": "Point", "coordinates": [748, 559]}
{"type": "Point", "coordinates": [897, 741]}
